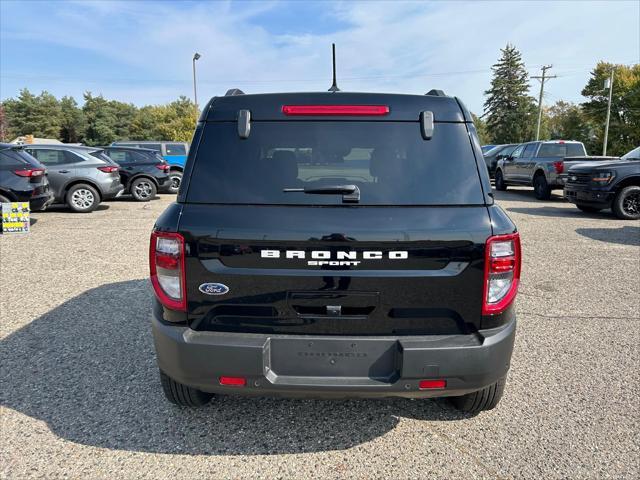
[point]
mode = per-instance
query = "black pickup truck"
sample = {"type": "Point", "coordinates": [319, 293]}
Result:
{"type": "Point", "coordinates": [613, 183]}
{"type": "Point", "coordinates": [335, 245]}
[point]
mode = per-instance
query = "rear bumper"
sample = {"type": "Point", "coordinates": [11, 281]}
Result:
{"type": "Point", "coordinates": [113, 191]}
{"type": "Point", "coordinates": [315, 366]}
{"type": "Point", "coordinates": [588, 196]}
{"type": "Point", "coordinates": [41, 202]}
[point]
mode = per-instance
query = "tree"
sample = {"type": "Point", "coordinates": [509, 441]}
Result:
{"type": "Point", "coordinates": [3, 125]}
{"type": "Point", "coordinates": [40, 115]}
{"type": "Point", "coordinates": [509, 109]}
{"type": "Point", "coordinates": [567, 121]}
{"type": "Point", "coordinates": [481, 128]}
{"type": "Point", "coordinates": [73, 121]}
{"type": "Point", "coordinates": [624, 125]}
{"type": "Point", "coordinates": [175, 121]}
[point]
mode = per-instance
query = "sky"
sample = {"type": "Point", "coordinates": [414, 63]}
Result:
{"type": "Point", "coordinates": [141, 52]}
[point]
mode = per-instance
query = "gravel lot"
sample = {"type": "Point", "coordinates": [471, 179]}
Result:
{"type": "Point", "coordinates": [80, 396]}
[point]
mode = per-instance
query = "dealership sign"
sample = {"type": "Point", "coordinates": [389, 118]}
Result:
{"type": "Point", "coordinates": [15, 217]}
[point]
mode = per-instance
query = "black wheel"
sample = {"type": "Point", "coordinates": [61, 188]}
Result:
{"type": "Point", "coordinates": [626, 205]}
{"type": "Point", "coordinates": [175, 178]}
{"type": "Point", "coordinates": [143, 189]}
{"type": "Point", "coordinates": [83, 198]}
{"type": "Point", "coordinates": [588, 208]}
{"type": "Point", "coordinates": [182, 395]}
{"type": "Point", "coordinates": [541, 187]}
{"type": "Point", "coordinates": [485, 399]}
{"type": "Point", "coordinates": [499, 179]}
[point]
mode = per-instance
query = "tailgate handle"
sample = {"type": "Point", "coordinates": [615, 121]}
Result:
{"type": "Point", "coordinates": [334, 310]}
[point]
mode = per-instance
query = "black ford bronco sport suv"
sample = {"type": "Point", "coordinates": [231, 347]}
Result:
{"type": "Point", "coordinates": [335, 245]}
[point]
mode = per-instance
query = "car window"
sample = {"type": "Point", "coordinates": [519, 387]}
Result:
{"type": "Point", "coordinates": [175, 149]}
{"type": "Point", "coordinates": [518, 151]}
{"type": "Point", "coordinates": [529, 150]}
{"type": "Point", "coordinates": [575, 150]}
{"type": "Point", "coordinates": [152, 146]}
{"type": "Point", "coordinates": [552, 150]}
{"type": "Point", "coordinates": [389, 162]}
{"type": "Point", "coordinates": [508, 150]}
{"type": "Point", "coordinates": [55, 157]}
{"type": "Point", "coordinates": [118, 156]}
{"type": "Point", "coordinates": [632, 155]}
{"type": "Point", "coordinates": [11, 159]}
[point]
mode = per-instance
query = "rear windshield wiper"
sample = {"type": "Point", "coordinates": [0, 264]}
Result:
{"type": "Point", "coordinates": [350, 193]}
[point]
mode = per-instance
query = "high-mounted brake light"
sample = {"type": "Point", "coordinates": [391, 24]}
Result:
{"type": "Point", "coordinates": [336, 110]}
{"type": "Point", "coordinates": [166, 264]}
{"type": "Point", "coordinates": [501, 272]}
{"type": "Point", "coordinates": [30, 172]}
{"type": "Point", "coordinates": [559, 166]}
{"type": "Point", "coordinates": [109, 169]}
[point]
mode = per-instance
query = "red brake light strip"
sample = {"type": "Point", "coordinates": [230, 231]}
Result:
{"type": "Point", "coordinates": [335, 110]}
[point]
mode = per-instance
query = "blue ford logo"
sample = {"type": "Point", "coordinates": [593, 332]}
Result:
{"type": "Point", "coordinates": [213, 288]}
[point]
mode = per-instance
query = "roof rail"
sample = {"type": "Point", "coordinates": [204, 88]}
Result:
{"type": "Point", "coordinates": [232, 92]}
{"type": "Point", "coordinates": [436, 93]}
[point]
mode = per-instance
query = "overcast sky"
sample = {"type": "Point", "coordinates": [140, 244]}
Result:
{"type": "Point", "coordinates": [141, 52]}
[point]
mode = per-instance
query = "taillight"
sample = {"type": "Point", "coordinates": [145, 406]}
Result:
{"type": "Point", "coordinates": [162, 166]}
{"type": "Point", "coordinates": [109, 169]}
{"type": "Point", "coordinates": [559, 166]}
{"type": "Point", "coordinates": [501, 272]}
{"type": "Point", "coordinates": [166, 263]}
{"type": "Point", "coordinates": [336, 110]}
{"type": "Point", "coordinates": [30, 172]}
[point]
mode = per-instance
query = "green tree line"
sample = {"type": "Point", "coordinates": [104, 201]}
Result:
{"type": "Point", "coordinates": [98, 122]}
{"type": "Point", "coordinates": [511, 113]}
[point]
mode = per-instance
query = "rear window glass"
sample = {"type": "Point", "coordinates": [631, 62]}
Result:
{"type": "Point", "coordinates": [389, 162]}
{"type": "Point", "coordinates": [175, 149]}
{"type": "Point", "coordinates": [15, 158]}
{"type": "Point", "coordinates": [561, 150]}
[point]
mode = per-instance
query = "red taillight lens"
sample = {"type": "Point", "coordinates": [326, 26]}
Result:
{"type": "Point", "coordinates": [233, 381]}
{"type": "Point", "coordinates": [166, 263]}
{"type": "Point", "coordinates": [559, 166]}
{"type": "Point", "coordinates": [163, 167]}
{"type": "Point", "coordinates": [109, 169]}
{"type": "Point", "coordinates": [501, 272]}
{"type": "Point", "coordinates": [30, 172]}
{"type": "Point", "coordinates": [431, 384]}
{"type": "Point", "coordinates": [336, 110]}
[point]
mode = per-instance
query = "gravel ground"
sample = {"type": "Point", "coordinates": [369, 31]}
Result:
{"type": "Point", "coordinates": [80, 397]}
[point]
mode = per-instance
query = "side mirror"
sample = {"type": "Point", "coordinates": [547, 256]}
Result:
{"type": "Point", "coordinates": [500, 157]}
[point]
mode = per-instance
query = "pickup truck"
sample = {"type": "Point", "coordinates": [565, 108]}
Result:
{"type": "Point", "coordinates": [538, 165]}
{"type": "Point", "coordinates": [335, 245]}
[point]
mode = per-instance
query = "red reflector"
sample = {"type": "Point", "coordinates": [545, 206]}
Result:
{"type": "Point", "coordinates": [431, 384]}
{"type": "Point", "coordinates": [502, 264]}
{"type": "Point", "coordinates": [108, 169]}
{"type": "Point", "coordinates": [30, 172]}
{"type": "Point", "coordinates": [233, 381]}
{"type": "Point", "coordinates": [336, 110]}
{"type": "Point", "coordinates": [559, 166]}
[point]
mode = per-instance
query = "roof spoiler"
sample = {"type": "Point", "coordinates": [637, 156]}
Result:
{"type": "Point", "coordinates": [436, 93]}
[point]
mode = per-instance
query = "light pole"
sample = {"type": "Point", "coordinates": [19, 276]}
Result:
{"type": "Point", "coordinates": [607, 83]}
{"type": "Point", "coordinates": [196, 56]}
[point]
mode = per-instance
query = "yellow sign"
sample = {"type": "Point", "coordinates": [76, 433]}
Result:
{"type": "Point", "coordinates": [16, 217]}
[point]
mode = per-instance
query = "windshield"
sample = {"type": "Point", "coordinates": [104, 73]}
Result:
{"type": "Point", "coordinates": [388, 161]}
{"type": "Point", "coordinates": [632, 155]}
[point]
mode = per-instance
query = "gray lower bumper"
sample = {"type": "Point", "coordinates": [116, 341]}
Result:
{"type": "Point", "coordinates": [309, 366]}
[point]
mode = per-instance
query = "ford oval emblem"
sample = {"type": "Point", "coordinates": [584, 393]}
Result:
{"type": "Point", "coordinates": [213, 288]}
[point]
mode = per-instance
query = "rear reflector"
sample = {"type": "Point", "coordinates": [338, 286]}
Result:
{"type": "Point", "coordinates": [233, 381]}
{"type": "Point", "coordinates": [432, 384]}
{"type": "Point", "coordinates": [336, 110]}
{"type": "Point", "coordinates": [30, 172]}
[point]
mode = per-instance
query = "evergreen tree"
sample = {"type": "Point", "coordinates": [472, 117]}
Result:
{"type": "Point", "coordinates": [3, 125]}
{"type": "Point", "coordinates": [40, 115]}
{"type": "Point", "coordinates": [73, 122]}
{"type": "Point", "coordinates": [509, 109]}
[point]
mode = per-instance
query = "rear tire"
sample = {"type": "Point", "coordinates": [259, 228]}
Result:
{"type": "Point", "coordinates": [541, 187]}
{"type": "Point", "coordinates": [588, 209]}
{"type": "Point", "coordinates": [143, 189]}
{"type": "Point", "coordinates": [499, 179]}
{"type": "Point", "coordinates": [4, 199]}
{"type": "Point", "coordinates": [175, 179]}
{"type": "Point", "coordinates": [626, 205]}
{"type": "Point", "coordinates": [82, 198]}
{"type": "Point", "coordinates": [485, 399]}
{"type": "Point", "coordinates": [182, 395]}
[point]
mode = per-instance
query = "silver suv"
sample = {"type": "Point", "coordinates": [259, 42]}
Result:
{"type": "Point", "coordinates": [538, 165]}
{"type": "Point", "coordinates": [79, 176]}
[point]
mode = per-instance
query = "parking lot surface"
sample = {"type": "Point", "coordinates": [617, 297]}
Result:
{"type": "Point", "coordinates": [80, 395]}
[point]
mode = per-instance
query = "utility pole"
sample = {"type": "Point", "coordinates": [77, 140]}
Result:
{"type": "Point", "coordinates": [196, 56]}
{"type": "Point", "coordinates": [606, 125]}
{"type": "Point", "coordinates": [542, 80]}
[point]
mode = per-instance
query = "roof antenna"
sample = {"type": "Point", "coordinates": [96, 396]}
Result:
{"type": "Point", "coordinates": [334, 87]}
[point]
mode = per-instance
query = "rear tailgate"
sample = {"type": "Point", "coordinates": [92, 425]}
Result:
{"type": "Point", "coordinates": [375, 271]}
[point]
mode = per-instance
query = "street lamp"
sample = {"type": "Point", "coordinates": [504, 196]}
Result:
{"type": "Point", "coordinates": [196, 56]}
